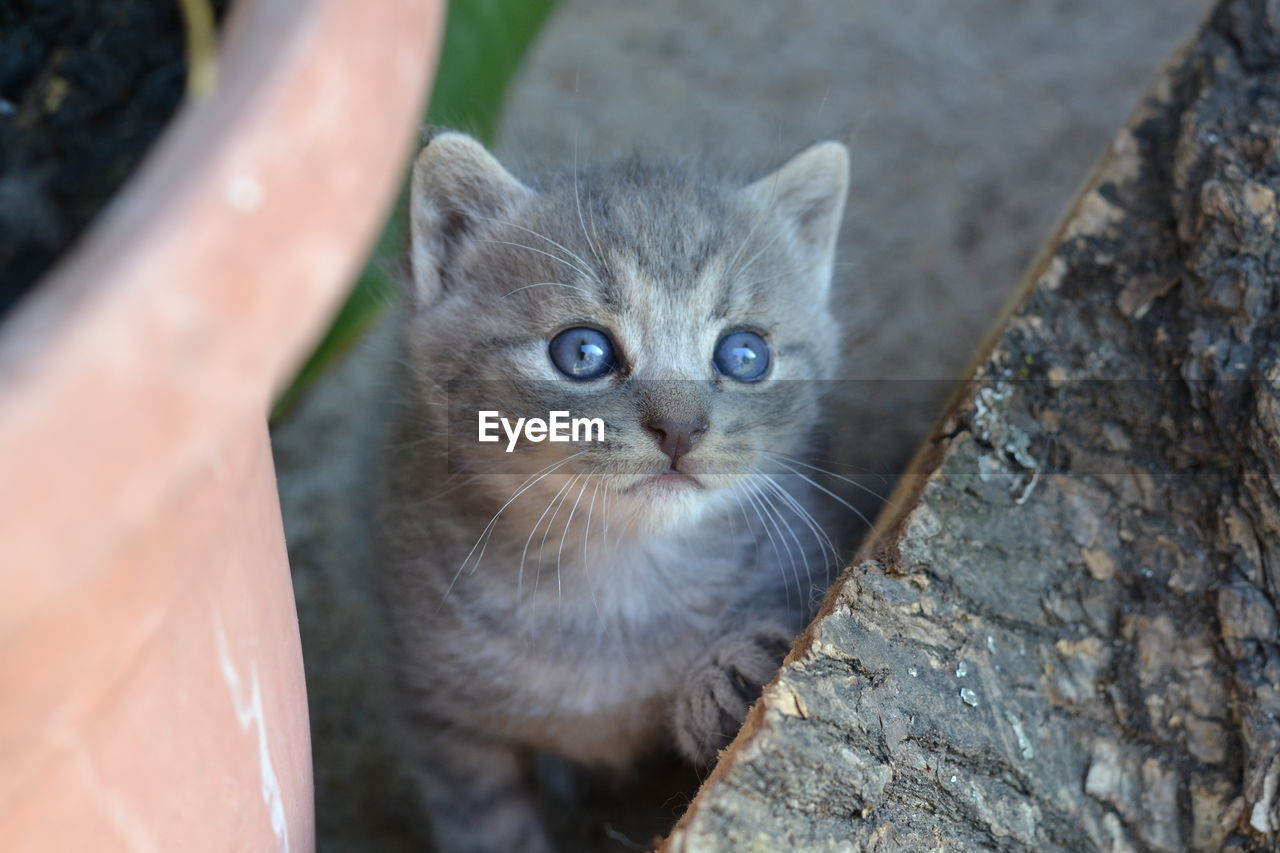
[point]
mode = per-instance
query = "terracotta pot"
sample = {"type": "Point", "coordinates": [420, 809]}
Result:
{"type": "Point", "coordinates": [150, 669]}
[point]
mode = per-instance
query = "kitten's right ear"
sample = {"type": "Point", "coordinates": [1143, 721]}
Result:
{"type": "Point", "coordinates": [809, 191]}
{"type": "Point", "coordinates": [456, 183]}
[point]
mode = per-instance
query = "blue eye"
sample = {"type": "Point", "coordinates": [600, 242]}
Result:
{"type": "Point", "coordinates": [743, 356]}
{"type": "Point", "coordinates": [582, 353]}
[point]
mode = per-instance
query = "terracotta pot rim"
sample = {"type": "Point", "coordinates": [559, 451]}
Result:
{"type": "Point", "coordinates": [197, 290]}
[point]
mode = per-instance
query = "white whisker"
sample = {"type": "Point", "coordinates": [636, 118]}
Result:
{"type": "Point", "coordinates": [540, 236]}
{"type": "Point", "coordinates": [773, 195]}
{"type": "Point", "coordinates": [827, 491]}
{"type": "Point", "coordinates": [533, 530]}
{"type": "Point", "coordinates": [786, 587]}
{"type": "Point", "coordinates": [853, 483]}
{"type": "Point", "coordinates": [520, 490]}
{"type": "Point", "coordinates": [784, 530]}
{"type": "Point", "coordinates": [546, 284]}
{"type": "Point", "coordinates": [577, 200]}
{"type": "Point", "coordinates": [746, 266]}
{"type": "Point", "coordinates": [586, 535]}
{"type": "Point", "coordinates": [555, 258]}
{"type": "Point", "coordinates": [820, 534]}
{"type": "Point", "coordinates": [559, 502]}
{"type": "Point", "coordinates": [560, 551]}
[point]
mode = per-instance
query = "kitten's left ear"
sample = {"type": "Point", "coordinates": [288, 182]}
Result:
{"type": "Point", "coordinates": [809, 192]}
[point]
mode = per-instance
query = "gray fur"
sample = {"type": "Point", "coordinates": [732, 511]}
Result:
{"type": "Point", "coordinates": [564, 613]}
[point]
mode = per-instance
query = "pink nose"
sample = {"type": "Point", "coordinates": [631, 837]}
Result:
{"type": "Point", "coordinates": [675, 438]}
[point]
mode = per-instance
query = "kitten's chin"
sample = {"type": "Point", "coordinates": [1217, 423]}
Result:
{"type": "Point", "coordinates": [668, 500]}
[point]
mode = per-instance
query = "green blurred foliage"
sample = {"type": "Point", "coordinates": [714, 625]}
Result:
{"type": "Point", "coordinates": [484, 41]}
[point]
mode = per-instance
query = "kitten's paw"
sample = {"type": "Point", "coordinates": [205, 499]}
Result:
{"type": "Point", "coordinates": [713, 699]}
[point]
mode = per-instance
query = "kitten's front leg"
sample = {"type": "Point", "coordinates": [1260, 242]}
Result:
{"type": "Point", "coordinates": [713, 698]}
{"type": "Point", "coordinates": [477, 794]}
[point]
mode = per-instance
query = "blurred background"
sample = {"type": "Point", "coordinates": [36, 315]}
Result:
{"type": "Point", "coordinates": [970, 124]}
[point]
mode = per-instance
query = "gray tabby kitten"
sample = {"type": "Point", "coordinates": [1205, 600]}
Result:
{"type": "Point", "coordinates": [597, 600]}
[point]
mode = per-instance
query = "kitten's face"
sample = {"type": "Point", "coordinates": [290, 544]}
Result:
{"type": "Point", "coordinates": [689, 314]}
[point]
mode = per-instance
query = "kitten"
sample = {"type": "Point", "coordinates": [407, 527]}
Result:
{"type": "Point", "coordinates": [597, 600]}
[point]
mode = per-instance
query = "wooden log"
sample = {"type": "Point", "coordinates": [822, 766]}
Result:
{"type": "Point", "coordinates": [1063, 634]}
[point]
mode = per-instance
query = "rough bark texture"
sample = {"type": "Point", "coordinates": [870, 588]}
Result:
{"type": "Point", "coordinates": [1064, 636]}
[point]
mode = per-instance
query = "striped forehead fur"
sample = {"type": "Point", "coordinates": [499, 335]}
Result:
{"type": "Point", "coordinates": [663, 257]}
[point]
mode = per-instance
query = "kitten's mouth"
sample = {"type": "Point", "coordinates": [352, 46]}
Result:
{"type": "Point", "coordinates": [672, 479]}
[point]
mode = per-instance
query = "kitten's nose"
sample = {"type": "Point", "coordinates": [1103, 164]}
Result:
{"type": "Point", "coordinates": [675, 438]}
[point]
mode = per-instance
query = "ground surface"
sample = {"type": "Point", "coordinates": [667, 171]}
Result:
{"type": "Point", "coordinates": [971, 125]}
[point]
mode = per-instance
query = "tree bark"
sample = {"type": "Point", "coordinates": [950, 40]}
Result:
{"type": "Point", "coordinates": [1063, 633]}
